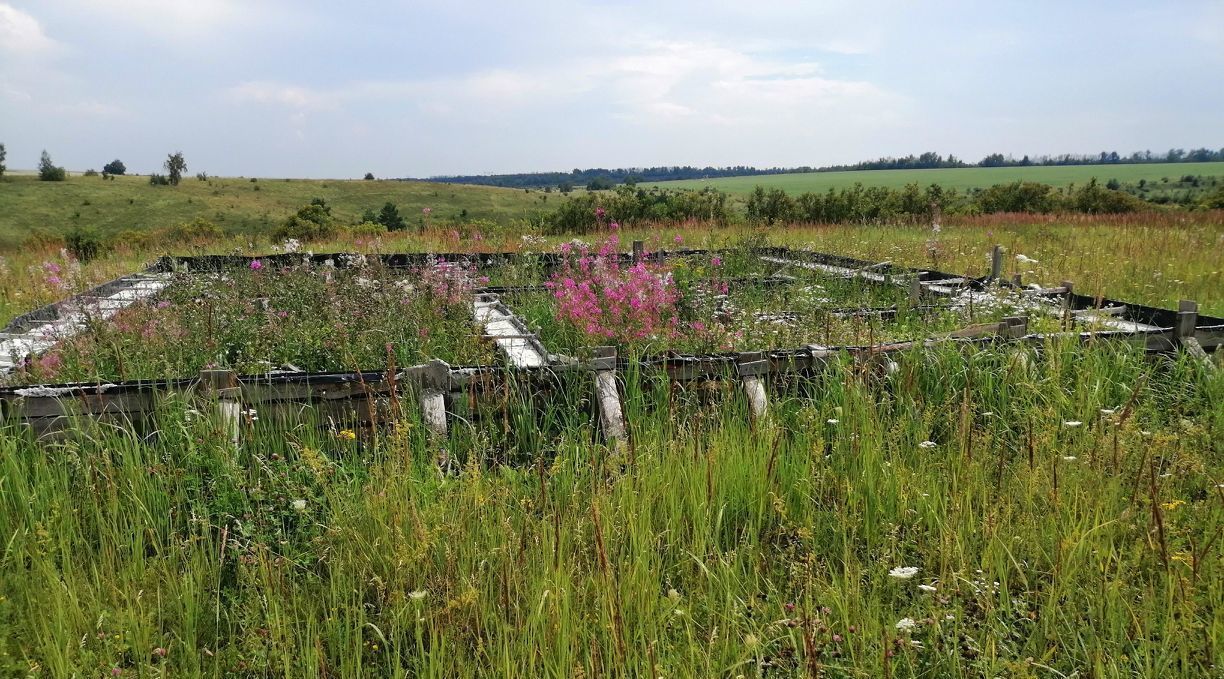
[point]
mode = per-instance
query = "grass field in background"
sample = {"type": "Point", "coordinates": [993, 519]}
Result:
{"type": "Point", "coordinates": [237, 205]}
{"type": "Point", "coordinates": [953, 178]}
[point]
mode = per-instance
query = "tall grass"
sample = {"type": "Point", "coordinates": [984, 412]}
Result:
{"type": "Point", "coordinates": [710, 546]}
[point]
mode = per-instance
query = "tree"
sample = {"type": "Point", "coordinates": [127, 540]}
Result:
{"type": "Point", "coordinates": [390, 217]}
{"type": "Point", "coordinates": [175, 167]}
{"type": "Point", "coordinates": [369, 176]}
{"type": "Point", "coordinates": [115, 166]}
{"type": "Point", "coordinates": [3, 153]}
{"type": "Point", "coordinates": [47, 171]}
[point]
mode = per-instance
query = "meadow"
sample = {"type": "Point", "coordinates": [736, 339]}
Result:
{"type": "Point", "coordinates": [960, 178]}
{"type": "Point", "coordinates": [236, 205]}
{"type": "Point", "coordinates": [1008, 510]}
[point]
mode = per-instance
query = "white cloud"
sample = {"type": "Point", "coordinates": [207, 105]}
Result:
{"type": "Point", "coordinates": [21, 34]}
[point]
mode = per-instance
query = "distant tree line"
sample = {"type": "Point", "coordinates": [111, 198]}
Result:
{"type": "Point", "coordinates": [599, 178]}
{"type": "Point", "coordinates": [627, 205]}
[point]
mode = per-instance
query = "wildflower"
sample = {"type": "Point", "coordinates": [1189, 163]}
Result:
{"type": "Point", "coordinates": [417, 595]}
{"type": "Point", "coordinates": [832, 420]}
{"type": "Point", "coordinates": [751, 641]}
{"type": "Point", "coordinates": [1172, 504]}
{"type": "Point", "coordinates": [256, 265]}
{"type": "Point", "coordinates": [1108, 411]}
{"type": "Point", "coordinates": [916, 644]}
{"type": "Point", "coordinates": [678, 240]}
{"type": "Point", "coordinates": [1072, 424]}
{"type": "Point", "coordinates": [837, 638]}
{"type": "Point", "coordinates": [115, 672]}
{"type": "Point", "coordinates": [299, 505]}
{"type": "Point", "coordinates": [426, 211]}
{"type": "Point", "coordinates": [906, 624]}
{"type": "Point", "coordinates": [600, 212]}
{"type": "Point", "coordinates": [160, 652]}
{"type": "Point", "coordinates": [1070, 458]}
{"type": "Point", "coordinates": [903, 572]}
{"type": "Point", "coordinates": [927, 444]}
{"type": "Point", "coordinates": [716, 261]}
{"type": "Point", "coordinates": [673, 594]}
{"type": "Point", "coordinates": [1025, 260]}
{"type": "Point", "coordinates": [927, 588]}
{"type": "Point", "coordinates": [347, 435]}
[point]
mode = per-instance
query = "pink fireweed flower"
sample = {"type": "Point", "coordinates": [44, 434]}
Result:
{"type": "Point", "coordinates": [678, 239]}
{"type": "Point", "coordinates": [256, 265]}
{"type": "Point", "coordinates": [716, 261]}
{"type": "Point", "coordinates": [600, 212]}
{"type": "Point", "coordinates": [615, 226]}
{"type": "Point", "coordinates": [426, 210]}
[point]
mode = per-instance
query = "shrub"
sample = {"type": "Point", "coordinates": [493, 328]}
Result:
{"type": "Point", "coordinates": [197, 229]}
{"type": "Point", "coordinates": [1093, 199]}
{"type": "Point", "coordinates": [1018, 197]}
{"type": "Point", "coordinates": [115, 166]}
{"type": "Point", "coordinates": [84, 244]}
{"type": "Point", "coordinates": [369, 176]}
{"type": "Point", "coordinates": [312, 222]}
{"type": "Point", "coordinates": [158, 180]}
{"type": "Point", "coordinates": [770, 205]}
{"type": "Point", "coordinates": [91, 172]}
{"type": "Point", "coordinates": [366, 229]}
{"type": "Point", "coordinates": [48, 171]}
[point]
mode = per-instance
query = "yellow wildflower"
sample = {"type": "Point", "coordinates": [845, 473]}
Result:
{"type": "Point", "coordinates": [347, 435]}
{"type": "Point", "coordinates": [1172, 504]}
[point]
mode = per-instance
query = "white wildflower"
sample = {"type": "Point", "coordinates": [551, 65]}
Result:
{"type": "Point", "coordinates": [1070, 458]}
{"type": "Point", "coordinates": [1072, 424]}
{"type": "Point", "coordinates": [1108, 411]}
{"type": "Point", "coordinates": [903, 572]}
{"type": "Point", "coordinates": [417, 595]}
{"type": "Point", "coordinates": [1025, 260]}
{"type": "Point", "coordinates": [927, 444]}
{"type": "Point", "coordinates": [831, 420]}
{"type": "Point", "coordinates": [927, 588]}
{"type": "Point", "coordinates": [299, 505]}
{"type": "Point", "coordinates": [906, 624]}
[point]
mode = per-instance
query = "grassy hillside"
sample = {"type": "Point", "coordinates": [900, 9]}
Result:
{"type": "Point", "coordinates": [957, 178]}
{"type": "Point", "coordinates": [236, 205]}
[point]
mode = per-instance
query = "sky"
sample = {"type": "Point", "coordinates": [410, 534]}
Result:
{"type": "Point", "coordinates": [314, 88]}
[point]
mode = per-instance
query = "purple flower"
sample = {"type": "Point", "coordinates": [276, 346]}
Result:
{"type": "Point", "coordinates": [256, 265]}
{"type": "Point", "coordinates": [678, 239]}
{"type": "Point", "coordinates": [717, 261]}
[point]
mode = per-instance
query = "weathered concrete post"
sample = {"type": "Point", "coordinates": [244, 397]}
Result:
{"type": "Point", "coordinates": [607, 397]}
{"type": "Point", "coordinates": [223, 384]}
{"type": "Point", "coordinates": [752, 366]}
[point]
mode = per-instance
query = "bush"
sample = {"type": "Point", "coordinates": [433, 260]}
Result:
{"type": "Point", "coordinates": [1093, 199]}
{"type": "Point", "coordinates": [367, 230]}
{"type": "Point", "coordinates": [48, 171]}
{"type": "Point", "coordinates": [198, 229]}
{"type": "Point", "coordinates": [91, 172]}
{"type": "Point", "coordinates": [1018, 197]}
{"type": "Point", "coordinates": [770, 205]}
{"type": "Point", "coordinates": [115, 166]}
{"type": "Point", "coordinates": [158, 180]}
{"type": "Point", "coordinates": [312, 222]}
{"type": "Point", "coordinates": [84, 244]}
{"type": "Point", "coordinates": [369, 176]}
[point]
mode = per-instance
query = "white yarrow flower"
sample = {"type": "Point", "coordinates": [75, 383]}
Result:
{"type": "Point", "coordinates": [417, 595]}
{"type": "Point", "coordinates": [831, 421]}
{"type": "Point", "coordinates": [1072, 424]}
{"type": "Point", "coordinates": [927, 444]}
{"type": "Point", "coordinates": [927, 588]}
{"type": "Point", "coordinates": [906, 624]}
{"type": "Point", "coordinates": [299, 505]}
{"type": "Point", "coordinates": [903, 572]}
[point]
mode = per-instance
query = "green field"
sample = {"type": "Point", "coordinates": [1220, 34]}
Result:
{"type": "Point", "coordinates": [954, 178]}
{"type": "Point", "coordinates": [237, 205]}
